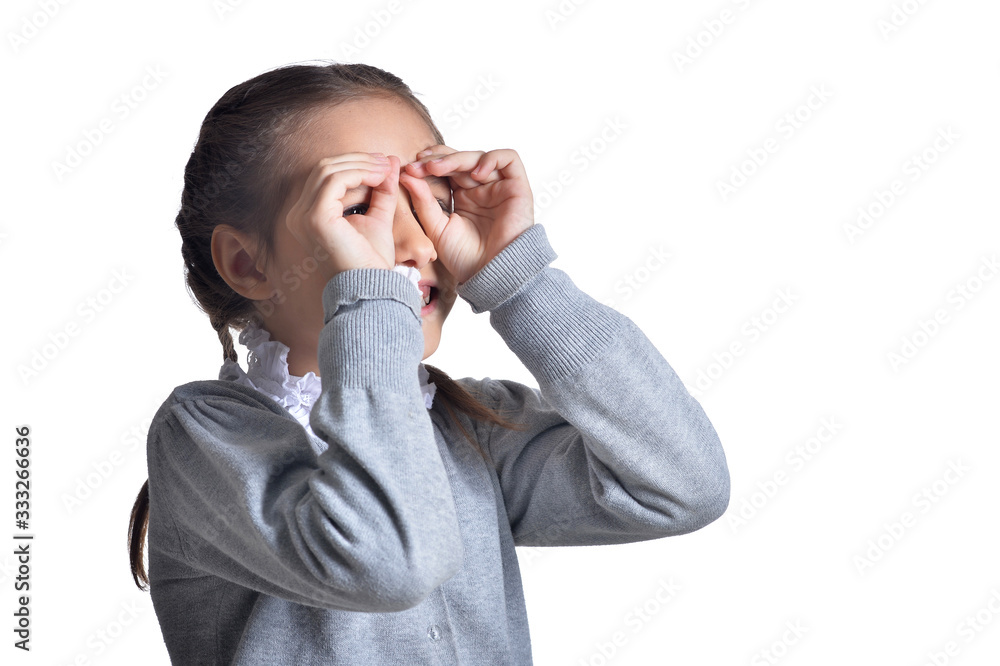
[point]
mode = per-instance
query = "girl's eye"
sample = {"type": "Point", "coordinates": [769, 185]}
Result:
{"type": "Point", "coordinates": [362, 208]}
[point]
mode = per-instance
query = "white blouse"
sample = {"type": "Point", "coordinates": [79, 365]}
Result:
{"type": "Point", "coordinates": [267, 370]}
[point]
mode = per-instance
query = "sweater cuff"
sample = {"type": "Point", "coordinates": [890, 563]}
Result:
{"type": "Point", "coordinates": [348, 287]}
{"type": "Point", "coordinates": [505, 274]}
{"type": "Point", "coordinates": [552, 326]}
{"type": "Point", "coordinates": [372, 335]}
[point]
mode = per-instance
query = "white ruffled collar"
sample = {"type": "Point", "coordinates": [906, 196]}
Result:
{"type": "Point", "coordinates": [267, 371]}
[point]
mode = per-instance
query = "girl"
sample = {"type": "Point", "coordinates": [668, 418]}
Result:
{"type": "Point", "coordinates": [340, 502]}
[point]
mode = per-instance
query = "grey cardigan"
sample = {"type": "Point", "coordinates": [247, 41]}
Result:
{"type": "Point", "coordinates": [393, 543]}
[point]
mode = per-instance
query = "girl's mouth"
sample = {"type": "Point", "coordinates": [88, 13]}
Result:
{"type": "Point", "coordinates": [430, 302]}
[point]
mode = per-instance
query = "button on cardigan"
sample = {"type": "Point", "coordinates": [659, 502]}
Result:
{"type": "Point", "coordinates": [384, 537]}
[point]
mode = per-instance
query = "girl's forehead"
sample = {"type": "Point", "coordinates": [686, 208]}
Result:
{"type": "Point", "coordinates": [367, 125]}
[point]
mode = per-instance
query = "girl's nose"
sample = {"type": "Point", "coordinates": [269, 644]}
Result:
{"type": "Point", "coordinates": [413, 247]}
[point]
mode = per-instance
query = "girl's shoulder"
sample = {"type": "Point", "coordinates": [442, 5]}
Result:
{"type": "Point", "coordinates": [220, 394]}
{"type": "Point", "coordinates": [223, 389]}
{"type": "Point", "coordinates": [216, 414]}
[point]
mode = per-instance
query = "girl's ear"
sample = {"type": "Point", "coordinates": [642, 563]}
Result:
{"type": "Point", "coordinates": [233, 256]}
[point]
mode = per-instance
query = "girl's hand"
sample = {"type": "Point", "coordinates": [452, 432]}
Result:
{"type": "Point", "coordinates": [493, 204]}
{"type": "Point", "coordinates": [357, 240]}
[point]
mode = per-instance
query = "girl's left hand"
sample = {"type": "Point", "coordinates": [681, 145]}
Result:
{"type": "Point", "coordinates": [493, 204]}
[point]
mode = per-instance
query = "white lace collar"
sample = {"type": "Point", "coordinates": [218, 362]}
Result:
{"type": "Point", "coordinates": [267, 371]}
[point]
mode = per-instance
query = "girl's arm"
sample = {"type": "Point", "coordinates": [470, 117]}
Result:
{"type": "Point", "coordinates": [369, 524]}
{"type": "Point", "coordinates": [617, 450]}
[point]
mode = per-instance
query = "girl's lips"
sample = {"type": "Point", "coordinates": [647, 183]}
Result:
{"type": "Point", "coordinates": [430, 288]}
{"type": "Point", "coordinates": [430, 307]}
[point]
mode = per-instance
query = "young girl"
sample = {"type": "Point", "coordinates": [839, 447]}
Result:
{"type": "Point", "coordinates": [340, 502]}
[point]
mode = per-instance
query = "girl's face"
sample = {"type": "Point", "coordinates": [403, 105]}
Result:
{"type": "Point", "coordinates": [373, 125]}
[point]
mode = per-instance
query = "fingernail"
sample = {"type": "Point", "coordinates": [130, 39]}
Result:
{"type": "Point", "coordinates": [380, 157]}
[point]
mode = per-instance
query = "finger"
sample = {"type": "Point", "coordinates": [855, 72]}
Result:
{"type": "Point", "coordinates": [433, 153]}
{"type": "Point", "coordinates": [327, 166]}
{"type": "Point", "coordinates": [425, 156]}
{"type": "Point", "coordinates": [329, 205]}
{"type": "Point", "coordinates": [383, 203]}
{"type": "Point", "coordinates": [460, 158]}
{"type": "Point", "coordinates": [430, 153]}
{"type": "Point", "coordinates": [455, 165]}
{"type": "Point", "coordinates": [503, 163]}
{"type": "Point", "coordinates": [438, 150]}
{"type": "Point", "coordinates": [429, 213]}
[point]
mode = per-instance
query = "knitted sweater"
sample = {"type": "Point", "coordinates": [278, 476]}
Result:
{"type": "Point", "coordinates": [382, 536]}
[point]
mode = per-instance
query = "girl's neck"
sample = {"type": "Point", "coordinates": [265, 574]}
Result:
{"type": "Point", "coordinates": [299, 365]}
{"type": "Point", "coordinates": [302, 342]}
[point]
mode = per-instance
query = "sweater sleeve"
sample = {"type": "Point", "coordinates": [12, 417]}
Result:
{"type": "Point", "coordinates": [369, 524]}
{"type": "Point", "coordinates": [616, 450]}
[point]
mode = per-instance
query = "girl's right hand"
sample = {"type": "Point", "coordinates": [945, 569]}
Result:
{"type": "Point", "coordinates": [358, 240]}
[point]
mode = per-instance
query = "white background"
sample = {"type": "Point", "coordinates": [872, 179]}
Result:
{"type": "Point", "coordinates": [683, 128]}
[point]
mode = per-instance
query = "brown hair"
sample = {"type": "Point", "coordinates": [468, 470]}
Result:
{"type": "Point", "coordinates": [240, 173]}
